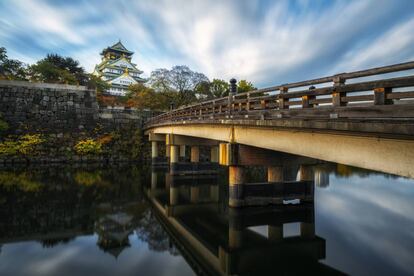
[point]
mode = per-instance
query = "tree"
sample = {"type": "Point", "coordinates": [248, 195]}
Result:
{"type": "Point", "coordinates": [215, 89]}
{"type": "Point", "coordinates": [245, 86]}
{"type": "Point", "coordinates": [202, 91]}
{"type": "Point", "coordinates": [98, 84]}
{"type": "Point", "coordinates": [159, 80]}
{"type": "Point", "coordinates": [180, 80]}
{"type": "Point", "coordinates": [11, 69]}
{"type": "Point", "coordinates": [219, 88]}
{"type": "Point", "coordinates": [57, 69]}
{"type": "Point", "coordinates": [143, 97]}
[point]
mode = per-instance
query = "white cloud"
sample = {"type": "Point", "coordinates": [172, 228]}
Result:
{"type": "Point", "coordinates": [223, 39]}
{"type": "Point", "coordinates": [47, 19]}
{"type": "Point", "coordinates": [393, 46]}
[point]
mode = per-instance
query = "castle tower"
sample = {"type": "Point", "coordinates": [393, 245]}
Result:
{"type": "Point", "coordinates": [117, 69]}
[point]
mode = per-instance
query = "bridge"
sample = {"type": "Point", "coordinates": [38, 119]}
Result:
{"type": "Point", "coordinates": [363, 119]}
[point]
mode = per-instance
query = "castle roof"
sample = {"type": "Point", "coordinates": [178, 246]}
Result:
{"type": "Point", "coordinates": [117, 47]}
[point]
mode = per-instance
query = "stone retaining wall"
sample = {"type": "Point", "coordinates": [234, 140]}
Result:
{"type": "Point", "coordinates": [66, 114]}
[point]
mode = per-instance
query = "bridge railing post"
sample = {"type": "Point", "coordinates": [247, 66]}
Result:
{"type": "Point", "coordinates": [307, 98]}
{"type": "Point", "coordinates": [282, 101]}
{"type": "Point", "coordinates": [248, 102]}
{"type": "Point", "coordinates": [232, 92]}
{"type": "Point", "coordinates": [380, 96]}
{"type": "Point", "coordinates": [337, 95]}
{"type": "Point", "coordinates": [229, 104]}
{"type": "Point", "coordinates": [263, 104]}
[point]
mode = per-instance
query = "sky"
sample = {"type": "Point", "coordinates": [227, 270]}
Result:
{"type": "Point", "coordinates": [266, 42]}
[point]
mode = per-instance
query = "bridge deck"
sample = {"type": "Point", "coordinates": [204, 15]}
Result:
{"type": "Point", "coordinates": [380, 106]}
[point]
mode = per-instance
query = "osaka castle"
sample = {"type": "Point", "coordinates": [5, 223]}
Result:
{"type": "Point", "coordinates": [117, 69]}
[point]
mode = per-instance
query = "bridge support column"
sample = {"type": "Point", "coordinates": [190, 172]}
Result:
{"type": "Point", "coordinates": [236, 181]}
{"type": "Point", "coordinates": [174, 152]}
{"type": "Point", "coordinates": [182, 152]}
{"type": "Point", "coordinates": [154, 150]}
{"type": "Point", "coordinates": [167, 151]}
{"type": "Point", "coordinates": [275, 174]}
{"type": "Point", "coordinates": [174, 156]}
{"type": "Point", "coordinates": [214, 154]}
{"type": "Point", "coordinates": [306, 173]}
{"type": "Point", "coordinates": [195, 154]}
{"type": "Point", "coordinates": [275, 233]}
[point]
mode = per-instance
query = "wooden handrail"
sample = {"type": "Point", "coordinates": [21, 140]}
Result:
{"type": "Point", "coordinates": [334, 95]}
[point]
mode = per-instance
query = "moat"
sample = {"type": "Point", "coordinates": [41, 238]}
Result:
{"type": "Point", "coordinates": [121, 220]}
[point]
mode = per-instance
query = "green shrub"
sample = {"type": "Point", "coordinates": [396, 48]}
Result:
{"type": "Point", "coordinates": [24, 145]}
{"type": "Point", "coordinates": [88, 146]}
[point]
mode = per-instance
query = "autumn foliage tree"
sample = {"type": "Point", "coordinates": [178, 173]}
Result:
{"type": "Point", "coordinates": [143, 97]}
{"type": "Point", "coordinates": [245, 86]}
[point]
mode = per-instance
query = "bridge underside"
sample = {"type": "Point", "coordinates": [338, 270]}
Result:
{"type": "Point", "coordinates": [371, 151]}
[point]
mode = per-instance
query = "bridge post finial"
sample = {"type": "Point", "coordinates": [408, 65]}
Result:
{"type": "Point", "coordinates": [233, 86]}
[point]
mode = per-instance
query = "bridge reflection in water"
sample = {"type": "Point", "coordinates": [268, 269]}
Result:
{"type": "Point", "coordinates": [130, 220]}
{"type": "Point", "coordinates": [217, 240]}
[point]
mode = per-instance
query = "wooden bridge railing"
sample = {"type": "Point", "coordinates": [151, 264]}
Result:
{"type": "Point", "coordinates": [388, 98]}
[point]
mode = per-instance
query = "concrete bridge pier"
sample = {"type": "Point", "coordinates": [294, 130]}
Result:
{"type": "Point", "coordinates": [178, 161]}
{"type": "Point", "coordinates": [273, 191]}
{"type": "Point", "coordinates": [194, 154]}
{"type": "Point", "coordinates": [154, 150]}
{"type": "Point", "coordinates": [236, 182]}
{"type": "Point", "coordinates": [174, 154]}
{"type": "Point", "coordinates": [306, 173]}
{"type": "Point", "coordinates": [214, 154]}
{"type": "Point", "coordinates": [167, 151]}
{"type": "Point", "coordinates": [155, 140]}
{"type": "Point", "coordinates": [275, 174]}
{"type": "Point", "coordinates": [182, 153]}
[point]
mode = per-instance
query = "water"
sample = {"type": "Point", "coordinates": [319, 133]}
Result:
{"type": "Point", "coordinates": [125, 221]}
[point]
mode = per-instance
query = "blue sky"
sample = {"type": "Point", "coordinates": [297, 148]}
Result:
{"type": "Point", "coordinates": [267, 42]}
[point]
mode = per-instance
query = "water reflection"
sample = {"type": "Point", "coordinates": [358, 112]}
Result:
{"type": "Point", "coordinates": [217, 240]}
{"type": "Point", "coordinates": [130, 219]}
{"type": "Point", "coordinates": [66, 210]}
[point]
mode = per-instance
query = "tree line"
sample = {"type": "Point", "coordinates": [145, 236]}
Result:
{"type": "Point", "coordinates": [164, 88]}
